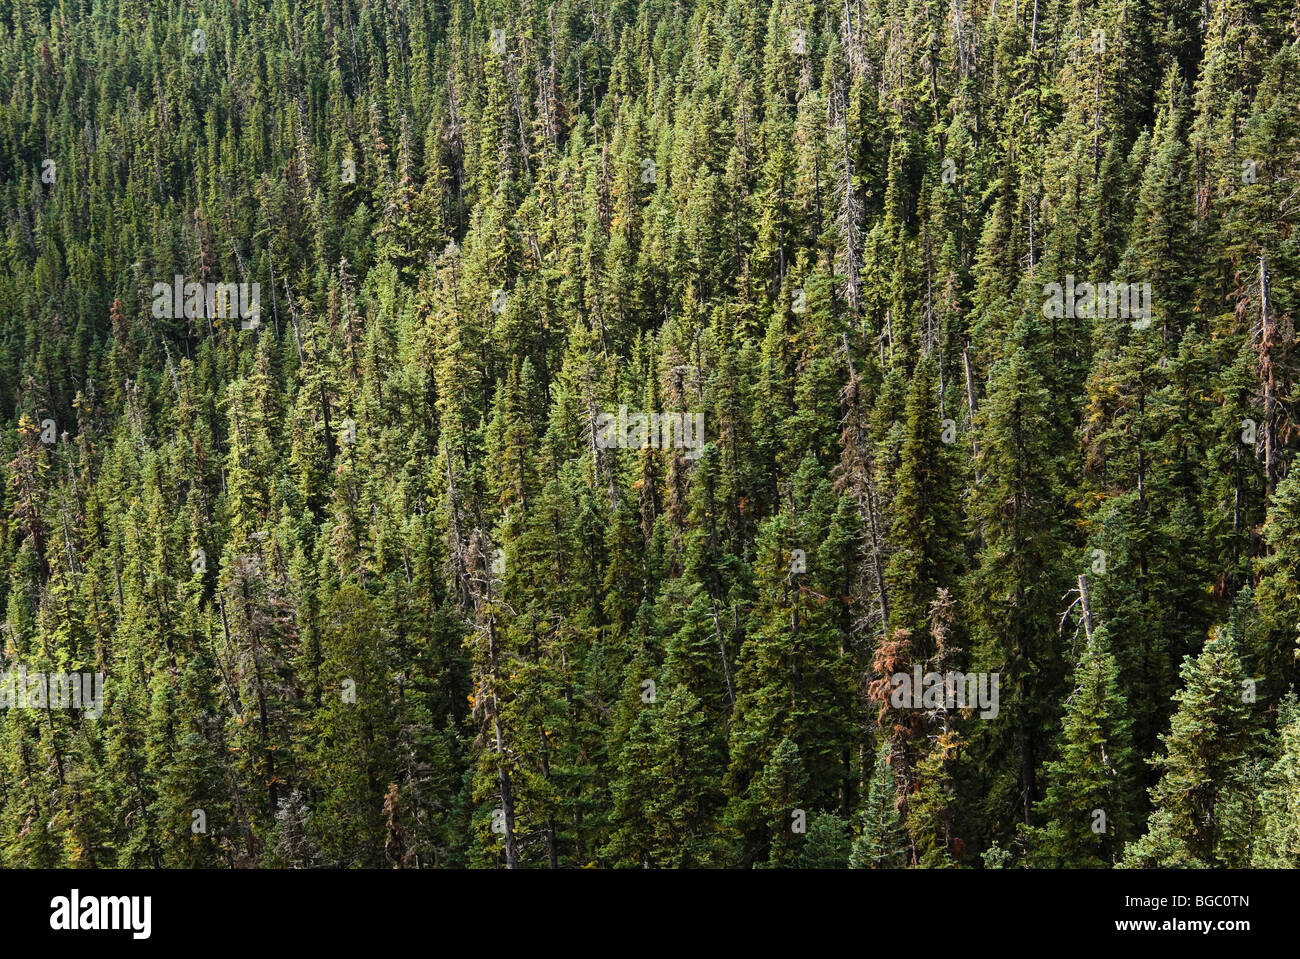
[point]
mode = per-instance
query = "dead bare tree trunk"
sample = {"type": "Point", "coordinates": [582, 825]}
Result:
{"type": "Point", "coordinates": [1085, 606]}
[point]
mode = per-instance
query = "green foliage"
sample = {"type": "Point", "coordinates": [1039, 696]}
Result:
{"type": "Point", "coordinates": [374, 583]}
{"type": "Point", "coordinates": [880, 843]}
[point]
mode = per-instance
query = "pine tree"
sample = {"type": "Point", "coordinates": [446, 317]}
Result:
{"type": "Point", "coordinates": [1085, 804]}
{"type": "Point", "coordinates": [1208, 738]}
{"type": "Point", "coordinates": [1279, 846]}
{"type": "Point", "coordinates": [881, 842]}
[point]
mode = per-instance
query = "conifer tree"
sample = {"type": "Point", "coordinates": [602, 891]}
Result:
{"type": "Point", "coordinates": [1209, 736]}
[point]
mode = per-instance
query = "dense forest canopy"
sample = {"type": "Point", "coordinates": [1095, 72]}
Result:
{"type": "Point", "coordinates": [541, 433]}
